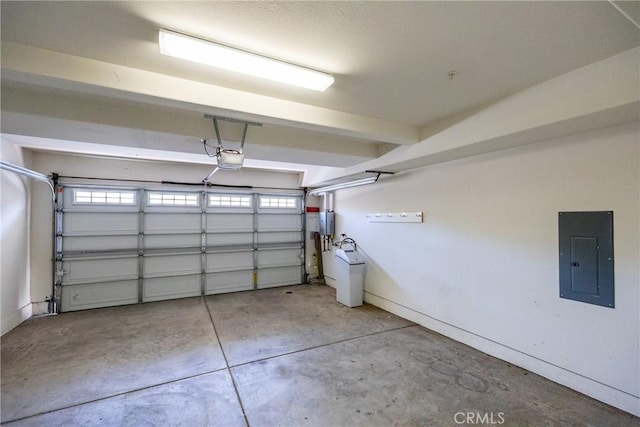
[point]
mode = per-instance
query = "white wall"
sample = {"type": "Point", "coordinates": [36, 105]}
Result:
{"type": "Point", "coordinates": [483, 267]}
{"type": "Point", "coordinates": [15, 303]}
{"type": "Point", "coordinates": [69, 165]}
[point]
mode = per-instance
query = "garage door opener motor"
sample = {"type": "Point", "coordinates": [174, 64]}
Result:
{"type": "Point", "coordinates": [227, 159]}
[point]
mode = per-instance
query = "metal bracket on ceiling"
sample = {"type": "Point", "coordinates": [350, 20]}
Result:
{"type": "Point", "coordinates": [227, 119]}
{"type": "Point", "coordinates": [379, 173]}
{"type": "Point", "coordinates": [226, 158]}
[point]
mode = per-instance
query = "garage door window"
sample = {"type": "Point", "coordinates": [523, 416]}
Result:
{"type": "Point", "coordinates": [102, 197]}
{"type": "Point", "coordinates": [229, 201]}
{"type": "Point", "coordinates": [173, 199]}
{"type": "Point", "coordinates": [278, 202]}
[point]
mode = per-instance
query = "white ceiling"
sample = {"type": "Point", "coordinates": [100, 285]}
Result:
{"type": "Point", "coordinates": [390, 59]}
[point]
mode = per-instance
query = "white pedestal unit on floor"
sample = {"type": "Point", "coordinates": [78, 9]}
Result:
{"type": "Point", "coordinates": [350, 268]}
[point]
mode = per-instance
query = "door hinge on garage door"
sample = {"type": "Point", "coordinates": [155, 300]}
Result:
{"type": "Point", "coordinates": [141, 244]}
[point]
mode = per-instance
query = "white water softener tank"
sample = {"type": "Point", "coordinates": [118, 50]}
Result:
{"type": "Point", "coordinates": [350, 268]}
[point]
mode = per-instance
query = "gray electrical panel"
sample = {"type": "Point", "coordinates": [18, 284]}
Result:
{"type": "Point", "coordinates": [327, 223]}
{"type": "Point", "coordinates": [586, 257]}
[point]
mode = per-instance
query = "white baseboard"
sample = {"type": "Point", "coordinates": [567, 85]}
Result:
{"type": "Point", "coordinates": [39, 308]}
{"type": "Point", "coordinates": [15, 318]}
{"type": "Point", "coordinates": [330, 281]}
{"type": "Point", "coordinates": [584, 385]}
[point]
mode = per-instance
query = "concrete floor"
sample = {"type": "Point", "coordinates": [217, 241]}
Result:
{"type": "Point", "coordinates": [285, 356]}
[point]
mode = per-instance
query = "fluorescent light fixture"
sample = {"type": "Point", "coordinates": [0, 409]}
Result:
{"type": "Point", "coordinates": [220, 56]}
{"type": "Point", "coordinates": [356, 183]}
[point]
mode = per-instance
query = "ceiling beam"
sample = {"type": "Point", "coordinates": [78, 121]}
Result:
{"type": "Point", "coordinates": [186, 128]}
{"type": "Point", "coordinates": [602, 94]}
{"type": "Point", "coordinates": [32, 65]}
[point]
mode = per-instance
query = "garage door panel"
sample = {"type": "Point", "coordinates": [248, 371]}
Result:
{"type": "Point", "coordinates": [171, 265]}
{"type": "Point", "coordinates": [100, 223]}
{"type": "Point", "coordinates": [279, 237]}
{"type": "Point", "coordinates": [219, 222]}
{"type": "Point", "coordinates": [225, 261]}
{"type": "Point", "coordinates": [283, 222]}
{"type": "Point", "coordinates": [229, 281]}
{"type": "Point", "coordinates": [170, 209]}
{"type": "Point", "coordinates": [102, 243]}
{"type": "Point", "coordinates": [163, 288]}
{"type": "Point", "coordinates": [158, 241]}
{"type": "Point", "coordinates": [273, 277]}
{"type": "Point", "coordinates": [175, 223]}
{"type": "Point", "coordinates": [279, 257]}
{"type": "Point", "coordinates": [229, 239]}
{"type": "Point", "coordinates": [92, 270]}
{"type": "Point", "coordinates": [82, 297]}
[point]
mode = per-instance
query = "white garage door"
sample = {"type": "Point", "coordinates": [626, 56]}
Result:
{"type": "Point", "coordinates": [117, 245]}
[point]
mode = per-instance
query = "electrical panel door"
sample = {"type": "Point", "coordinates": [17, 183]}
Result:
{"type": "Point", "coordinates": [586, 257]}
